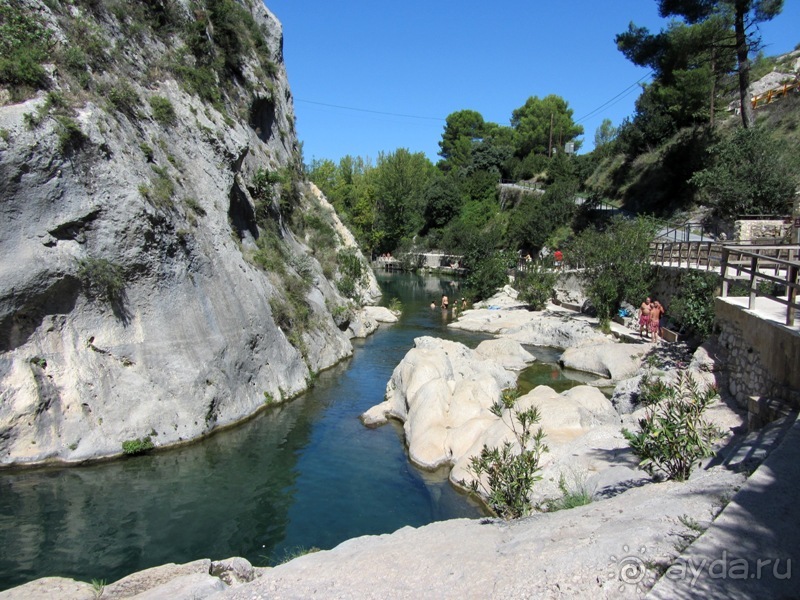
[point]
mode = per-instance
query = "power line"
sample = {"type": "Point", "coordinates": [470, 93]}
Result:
{"type": "Point", "coordinates": [616, 98]}
{"type": "Point", "coordinates": [366, 110]}
{"type": "Point", "coordinates": [610, 102]}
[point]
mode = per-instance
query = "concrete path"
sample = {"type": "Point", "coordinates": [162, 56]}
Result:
{"type": "Point", "coordinates": [752, 549]}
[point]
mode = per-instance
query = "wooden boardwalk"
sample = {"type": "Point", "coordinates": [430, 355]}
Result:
{"type": "Point", "coordinates": [760, 268]}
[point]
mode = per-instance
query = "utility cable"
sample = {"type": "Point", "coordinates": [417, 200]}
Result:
{"type": "Point", "coordinates": [366, 110]}
{"type": "Point", "coordinates": [616, 98]}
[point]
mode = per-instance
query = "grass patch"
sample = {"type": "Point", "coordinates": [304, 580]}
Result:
{"type": "Point", "coordinates": [137, 446]}
{"type": "Point", "coordinates": [163, 111]}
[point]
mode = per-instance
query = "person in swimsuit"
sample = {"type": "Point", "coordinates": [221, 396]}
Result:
{"type": "Point", "coordinates": [644, 317]}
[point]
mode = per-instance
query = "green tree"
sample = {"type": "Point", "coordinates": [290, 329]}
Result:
{"type": "Point", "coordinates": [542, 124]}
{"type": "Point", "coordinates": [604, 135]}
{"type": "Point", "coordinates": [462, 129]}
{"type": "Point", "coordinates": [615, 263]}
{"type": "Point", "coordinates": [745, 14]}
{"type": "Point", "coordinates": [687, 62]}
{"type": "Point", "coordinates": [443, 202]}
{"type": "Point", "coordinates": [749, 175]}
{"type": "Point", "coordinates": [400, 181]}
{"type": "Point", "coordinates": [537, 217]}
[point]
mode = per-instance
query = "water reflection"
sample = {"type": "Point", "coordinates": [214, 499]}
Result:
{"type": "Point", "coordinates": [306, 474]}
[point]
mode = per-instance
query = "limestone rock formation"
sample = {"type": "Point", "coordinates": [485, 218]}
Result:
{"type": "Point", "coordinates": [443, 391]}
{"type": "Point", "coordinates": [505, 316]}
{"type": "Point", "coordinates": [608, 359]}
{"type": "Point", "coordinates": [165, 268]}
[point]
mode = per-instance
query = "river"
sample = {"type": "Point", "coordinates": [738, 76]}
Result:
{"type": "Point", "coordinates": [300, 476]}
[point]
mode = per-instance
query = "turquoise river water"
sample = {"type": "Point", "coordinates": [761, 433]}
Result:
{"type": "Point", "coordinates": [303, 475]}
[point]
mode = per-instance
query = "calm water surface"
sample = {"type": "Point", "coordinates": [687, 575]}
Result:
{"type": "Point", "coordinates": [304, 475]}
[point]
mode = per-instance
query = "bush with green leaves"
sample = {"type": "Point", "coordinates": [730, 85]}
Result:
{"type": "Point", "coordinates": [510, 470]}
{"type": "Point", "coordinates": [352, 273]}
{"type": "Point", "coordinates": [673, 436]}
{"type": "Point", "coordinates": [137, 446]}
{"type": "Point", "coordinates": [693, 306]}
{"type": "Point", "coordinates": [24, 45]}
{"type": "Point", "coordinates": [69, 135]}
{"type": "Point", "coordinates": [536, 286]}
{"type": "Point", "coordinates": [750, 175]}
{"type": "Point", "coordinates": [163, 111]}
{"type": "Point", "coordinates": [615, 263]}
{"type": "Point", "coordinates": [102, 278]}
{"type": "Point", "coordinates": [123, 98]}
{"type": "Point", "coordinates": [490, 273]}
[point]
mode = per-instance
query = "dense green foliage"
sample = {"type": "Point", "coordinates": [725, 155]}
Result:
{"type": "Point", "coordinates": [24, 45]}
{"type": "Point", "coordinates": [513, 468]}
{"type": "Point", "coordinates": [404, 203]}
{"type": "Point", "coordinates": [747, 175]}
{"type": "Point", "coordinates": [614, 259]}
{"type": "Point", "coordinates": [673, 435]}
{"type": "Point", "coordinates": [693, 307]}
{"type": "Point", "coordinates": [137, 446]}
{"type": "Point", "coordinates": [536, 285]}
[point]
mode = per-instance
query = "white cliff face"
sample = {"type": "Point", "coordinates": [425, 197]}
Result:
{"type": "Point", "coordinates": [190, 342]}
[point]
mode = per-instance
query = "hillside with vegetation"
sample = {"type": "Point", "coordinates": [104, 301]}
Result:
{"type": "Point", "coordinates": [691, 149]}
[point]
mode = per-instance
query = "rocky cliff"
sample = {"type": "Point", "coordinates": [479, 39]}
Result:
{"type": "Point", "coordinates": [165, 268]}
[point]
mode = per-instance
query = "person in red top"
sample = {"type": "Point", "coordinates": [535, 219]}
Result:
{"type": "Point", "coordinates": [559, 258]}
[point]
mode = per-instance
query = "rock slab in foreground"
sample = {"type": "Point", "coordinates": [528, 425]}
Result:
{"type": "Point", "coordinates": [578, 553]}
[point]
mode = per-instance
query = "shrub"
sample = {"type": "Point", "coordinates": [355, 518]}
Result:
{"type": "Point", "coordinates": [351, 273]}
{"type": "Point", "coordinates": [102, 278]}
{"type": "Point", "coordinates": [673, 436]}
{"type": "Point", "coordinates": [536, 286]}
{"type": "Point", "coordinates": [137, 446]}
{"type": "Point", "coordinates": [751, 175]}
{"type": "Point", "coordinates": [512, 469]}
{"type": "Point", "coordinates": [24, 44]}
{"type": "Point", "coordinates": [123, 98]}
{"type": "Point", "coordinates": [652, 391]}
{"type": "Point", "coordinates": [163, 111]}
{"type": "Point", "coordinates": [490, 273]}
{"type": "Point", "coordinates": [693, 306]}
{"type": "Point", "coordinates": [70, 137]}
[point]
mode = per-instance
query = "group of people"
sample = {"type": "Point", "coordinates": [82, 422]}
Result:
{"type": "Point", "coordinates": [446, 303]}
{"type": "Point", "coordinates": [650, 314]}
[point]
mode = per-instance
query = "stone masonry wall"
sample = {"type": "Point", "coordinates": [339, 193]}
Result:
{"type": "Point", "coordinates": [762, 356]}
{"type": "Point", "coordinates": [753, 230]}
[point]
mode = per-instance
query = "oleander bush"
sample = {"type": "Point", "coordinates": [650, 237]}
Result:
{"type": "Point", "coordinates": [673, 436]}
{"type": "Point", "coordinates": [510, 470]}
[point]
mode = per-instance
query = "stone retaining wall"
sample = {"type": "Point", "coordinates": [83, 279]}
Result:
{"type": "Point", "coordinates": [762, 356]}
{"type": "Point", "coordinates": [746, 231]}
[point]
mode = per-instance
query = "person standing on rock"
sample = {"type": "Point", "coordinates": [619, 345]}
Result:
{"type": "Point", "coordinates": [656, 312]}
{"type": "Point", "coordinates": [644, 317]}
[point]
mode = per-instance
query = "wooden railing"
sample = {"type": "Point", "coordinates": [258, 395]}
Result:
{"type": "Point", "coordinates": [706, 256]}
{"type": "Point", "coordinates": [746, 264]}
{"type": "Point", "coordinates": [753, 265]}
{"type": "Point", "coordinates": [776, 92]}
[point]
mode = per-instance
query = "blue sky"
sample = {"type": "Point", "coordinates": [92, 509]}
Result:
{"type": "Point", "coordinates": [407, 65]}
